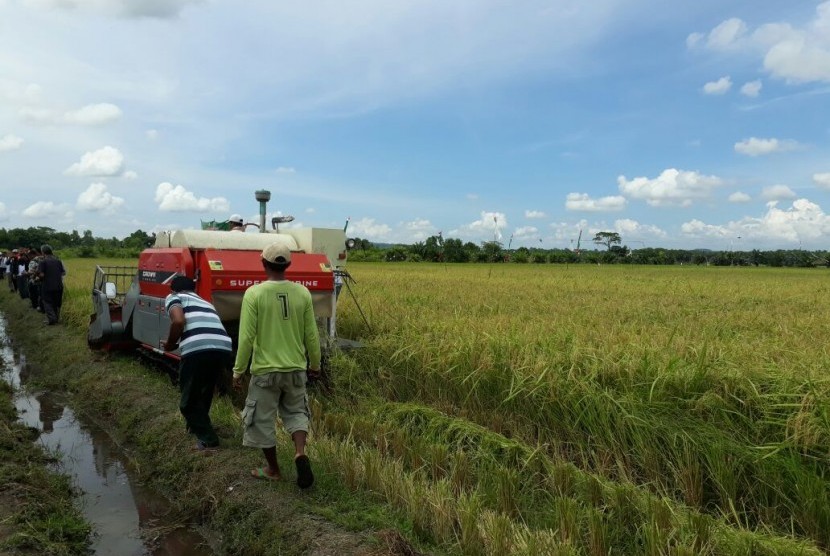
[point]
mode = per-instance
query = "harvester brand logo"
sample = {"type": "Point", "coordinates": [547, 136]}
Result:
{"type": "Point", "coordinates": [155, 276]}
{"type": "Point", "coordinates": [243, 283]}
{"type": "Point", "coordinates": [248, 283]}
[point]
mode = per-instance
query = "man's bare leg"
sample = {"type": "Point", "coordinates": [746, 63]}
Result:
{"type": "Point", "coordinates": [273, 468]}
{"type": "Point", "coordinates": [299, 438]}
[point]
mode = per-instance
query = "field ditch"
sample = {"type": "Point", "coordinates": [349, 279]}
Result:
{"type": "Point", "coordinates": [37, 513]}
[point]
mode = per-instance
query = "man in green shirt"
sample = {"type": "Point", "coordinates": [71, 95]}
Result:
{"type": "Point", "coordinates": [278, 335]}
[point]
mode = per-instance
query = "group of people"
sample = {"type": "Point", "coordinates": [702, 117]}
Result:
{"type": "Point", "coordinates": [37, 275]}
{"type": "Point", "coordinates": [278, 343]}
{"type": "Point", "coordinates": [277, 336]}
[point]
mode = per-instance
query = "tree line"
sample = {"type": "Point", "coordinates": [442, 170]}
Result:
{"type": "Point", "coordinates": [76, 244]}
{"type": "Point", "coordinates": [439, 249]}
{"type": "Point", "coordinates": [451, 250]}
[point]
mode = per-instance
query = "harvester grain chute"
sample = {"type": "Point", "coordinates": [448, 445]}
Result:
{"type": "Point", "coordinates": [128, 302]}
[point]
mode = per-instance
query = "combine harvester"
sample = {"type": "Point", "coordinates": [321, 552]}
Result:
{"type": "Point", "coordinates": [128, 302]}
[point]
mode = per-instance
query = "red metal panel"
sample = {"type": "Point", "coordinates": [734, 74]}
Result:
{"type": "Point", "coordinates": [157, 265]}
{"type": "Point", "coordinates": [229, 270]}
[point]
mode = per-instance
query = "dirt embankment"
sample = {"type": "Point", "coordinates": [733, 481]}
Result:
{"type": "Point", "coordinates": [139, 408]}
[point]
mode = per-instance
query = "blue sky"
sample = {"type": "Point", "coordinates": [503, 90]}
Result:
{"type": "Point", "coordinates": [677, 124]}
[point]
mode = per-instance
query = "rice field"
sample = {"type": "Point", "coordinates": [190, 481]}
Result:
{"type": "Point", "coordinates": [545, 409]}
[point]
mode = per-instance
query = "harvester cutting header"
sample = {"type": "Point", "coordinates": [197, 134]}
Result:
{"type": "Point", "coordinates": [129, 302]}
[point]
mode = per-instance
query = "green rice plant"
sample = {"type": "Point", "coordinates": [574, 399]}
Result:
{"type": "Point", "coordinates": [700, 387]}
{"type": "Point", "coordinates": [584, 511]}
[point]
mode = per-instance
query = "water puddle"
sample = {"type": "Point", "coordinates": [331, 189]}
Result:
{"type": "Point", "coordinates": [128, 518]}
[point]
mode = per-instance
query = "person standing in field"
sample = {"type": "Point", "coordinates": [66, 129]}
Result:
{"type": "Point", "coordinates": [12, 265]}
{"type": "Point", "coordinates": [206, 348]}
{"type": "Point", "coordinates": [51, 272]}
{"type": "Point", "coordinates": [22, 277]}
{"type": "Point", "coordinates": [34, 277]}
{"type": "Point", "coordinates": [278, 335]}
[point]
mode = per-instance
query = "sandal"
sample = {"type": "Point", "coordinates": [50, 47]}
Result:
{"type": "Point", "coordinates": [261, 473]}
{"type": "Point", "coordinates": [305, 478]}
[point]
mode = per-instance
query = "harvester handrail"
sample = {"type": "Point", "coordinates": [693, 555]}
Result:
{"type": "Point", "coordinates": [121, 276]}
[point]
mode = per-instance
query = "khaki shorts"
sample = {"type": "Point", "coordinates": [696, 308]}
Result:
{"type": "Point", "coordinates": [282, 392]}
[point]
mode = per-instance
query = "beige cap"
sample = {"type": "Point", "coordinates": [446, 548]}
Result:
{"type": "Point", "coordinates": [277, 253]}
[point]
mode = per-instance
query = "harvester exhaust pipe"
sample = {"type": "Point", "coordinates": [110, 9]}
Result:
{"type": "Point", "coordinates": [262, 196]}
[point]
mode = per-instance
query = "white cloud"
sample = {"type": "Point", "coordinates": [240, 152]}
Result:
{"type": "Point", "coordinates": [130, 175]}
{"type": "Point", "coordinates": [419, 229]}
{"type": "Point", "coordinates": [719, 87]}
{"type": "Point", "coordinates": [419, 225]}
{"type": "Point", "coordinates": [671, 188]}
{"type": "Point", "coordinates": [739, 197]}
{"type": "Point", "coordinates": [759, 147]}
{"type": "Point", "coordinates": [526, 232]}
{"type": "Point", "coordinates": [90, 115]}
{"type": "Point", "coordinates": [490, 225]}
{"type": "Point", "coordinates": [118, 8]}
{"type": "Point", "coordinates": [567, 231]}
{"type": "Point", "coordinates": [752, 88]}
{"type": "Point", "coordinates": [535, 214]}
{"type": "Point", "coordinates": [726, 34]}
{"type": "Point", "coordinates": [694, 39]}
{"type": "Point", "coordinates": [286, 170]}
{"type": "Point", "coordinates": [795, 54]}
{"type": "Point", "coordinates": [44, 209]}
{"type": "Point", "coordinates": [584, 202]}
{"type": "Point", "coordinates": [175, 198]}
{"type": "Point", "coordinates": [152, 134]}
{"type": "Point", "coordinates": [777, 192]}
{"type": "Point", "coordinates": [310, 210]}
{"type": "Point", "coordinates": [10, 142]}
{"type": "Point", "coordinates": [370, 229]}
{"type": "Point", "coordinates": [472, 197]}
{"type": "Point", "coordinates": [698, 228]}
{"type": "Point", "coordinates": [822, 180]}
{"type": "Point", "coordinates": [627, 227]}
{"type": "Point", "coordinates": [106, 161]}
{"type": "Point", "coordinates": [4, 215]}
{"type": "Point", "coordinates": [36, 115]}
{"type": "Point", "coordinates": [804, 220]}
{"type": "Point", "coordinates": [93, 114]}
{"type": "Point", "coordinates": [16, 93]}
{"type": "Point", "coordinates": [97, 198]}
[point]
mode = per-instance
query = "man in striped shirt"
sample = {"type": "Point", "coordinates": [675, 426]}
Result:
{"type": "Point", "coordinates": [195, 327]}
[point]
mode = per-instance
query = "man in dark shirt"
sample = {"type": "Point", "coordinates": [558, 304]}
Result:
{"type": "Point", "coordinates": [13, 271]}
{"type": "Point", "coordinates": [33, 277]}
{"type": "Point", "coordinates": [51, 273]}
{"type": "Point", "coordinates": [22, 279]}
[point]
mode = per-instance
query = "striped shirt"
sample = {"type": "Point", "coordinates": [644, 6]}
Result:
{"type": "Point", "coordinates": [202, 328]}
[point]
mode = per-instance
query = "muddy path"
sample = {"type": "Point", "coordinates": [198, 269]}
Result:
{"type": "Point", "coordinates": [122, 427]}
